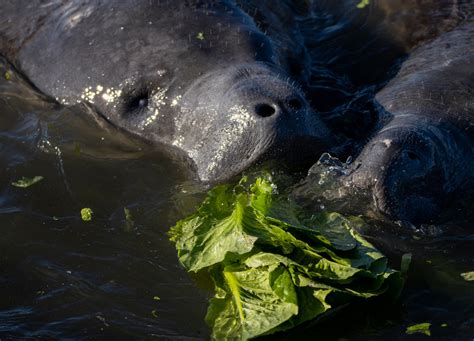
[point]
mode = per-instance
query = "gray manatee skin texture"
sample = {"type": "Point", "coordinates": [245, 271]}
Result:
{"type": "Point", "coordinates": [421, 161]}
{"type": "Point", "coordinates": [202, 77]}
{"type": "Point", "coordinates": [412, 23]}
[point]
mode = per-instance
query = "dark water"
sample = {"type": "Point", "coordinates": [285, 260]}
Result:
{"type": "Point", "coordinates": [113, 278]}
{"type": "Point", "coordinates": [62, 277]}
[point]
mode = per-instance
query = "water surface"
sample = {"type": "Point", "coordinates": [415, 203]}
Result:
{"type": "Point", "coordinates": [62, 277]}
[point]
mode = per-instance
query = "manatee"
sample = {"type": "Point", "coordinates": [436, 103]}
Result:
{"type": "Point", "coordinates": [363, 48]}
{"type": "Point", "coordinates": [413, 145]}
{"type": "Point", "coordinates": [420, 162]}
{"type": "Point", "coordinates": [220, 81]}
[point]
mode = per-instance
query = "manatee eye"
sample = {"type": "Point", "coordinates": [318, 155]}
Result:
{"type": "Point", "coordinates": [136, 101]}
{"type": "Point", "coordinates": [139, 102]}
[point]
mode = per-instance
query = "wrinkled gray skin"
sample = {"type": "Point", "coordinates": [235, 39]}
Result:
{"type": "Point", "coordinates": [196, 75]}
{"type": "Point", "coordinates": [422, 159]}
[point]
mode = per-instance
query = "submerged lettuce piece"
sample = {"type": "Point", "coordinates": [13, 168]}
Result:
{"type": "Point", "coordinates": [274, 266]}
{"type": "Point", "coordinates": [27, 182]}
{"type": "Point", "coordinates": [468, 276]}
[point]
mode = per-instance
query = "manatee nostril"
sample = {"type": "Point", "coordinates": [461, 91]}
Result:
{"type": "Point", "coordinates": [265, 110]}
{"type": "Point", "coordinates": [295, 104]}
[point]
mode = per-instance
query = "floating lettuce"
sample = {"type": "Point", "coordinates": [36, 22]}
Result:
{"type": "Point", "coordinates": [272, 267]}
{"type": "Point", "coordinates": [363, 4]}
{"type": "Point", "coordinates": [468, 276]}
{"type": "Point", "coordinates": [423, 328]}
{"type": "Point", "coordinates": [86, 214]}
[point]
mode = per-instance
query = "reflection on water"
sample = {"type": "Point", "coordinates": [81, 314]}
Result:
{"type": "Point", "coordinates": [62, 277]}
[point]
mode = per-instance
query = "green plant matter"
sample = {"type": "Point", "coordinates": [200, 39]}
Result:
{"type": "Point", "coordinates": [423, 328]}
{"type": "Point", "coordinates": [274, 267]}
{"type": "Point", "coordinates": [27, 182]}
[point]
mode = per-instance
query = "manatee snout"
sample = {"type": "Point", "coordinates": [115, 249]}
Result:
{"type": "Point", "coordinates": [405, 170]}
{"type": "Point", "coordinates": [240, 115]}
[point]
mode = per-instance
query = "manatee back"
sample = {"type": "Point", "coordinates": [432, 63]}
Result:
{"type": "Point", "coordinates": [437, 80]}
{"type": "Point", "coordinates": [413, 22]}
{"type": "Point", "coordinates": [17, 29]}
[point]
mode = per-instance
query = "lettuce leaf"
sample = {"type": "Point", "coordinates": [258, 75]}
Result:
{"type": "Point", "coordinates": [274, 266]}
{"type": "Point", "coordinates": [254, 300]}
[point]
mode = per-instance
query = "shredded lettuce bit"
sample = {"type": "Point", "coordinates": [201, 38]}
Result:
{"type": "Point", "coordinates": [468, 276]}
{"type": "Point", "coordinates": [423, 328]}
{"type": "Point", "coordinates": [129, 222]}
{"type": "Point", "coordinates": [363, 4]}
{"type": "Point", "coordinates": [25, 182]}
{"type": "Point", "coordinates": [86, 214]}
{"type": "Point", "coordinates": [273, 267]}
{"type": "Point", "coordinates": [200, 36]}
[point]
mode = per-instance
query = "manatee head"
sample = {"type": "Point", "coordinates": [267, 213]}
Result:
{"type": "Point", "coordinates": [200, 77]}
{"type": "Point", "coordinates": [412, 167]}
{"type": "Point", "coordinates": [232, 117]}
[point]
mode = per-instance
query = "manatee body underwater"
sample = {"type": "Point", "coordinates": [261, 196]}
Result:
{"type": "Point", "coordinates": [418, 164]}
{"type": "Point", "coordinates": [411, 138]}
{"type": "Point", "coordinates": [198, 76]}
